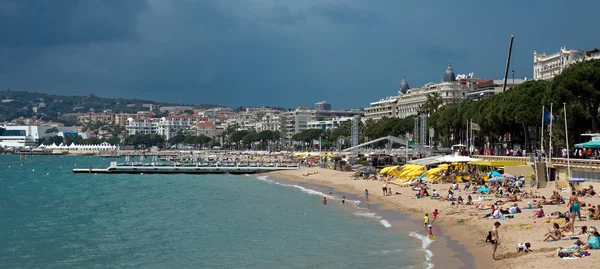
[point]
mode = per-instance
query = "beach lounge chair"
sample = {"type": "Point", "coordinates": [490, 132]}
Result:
{"type": "Point", "coordinates": [409, 183]}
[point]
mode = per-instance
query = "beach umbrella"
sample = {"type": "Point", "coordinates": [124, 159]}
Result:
{"type": "Point", "coordinates": [497, 179]}
{"type": "Point", "coordinates": [392, 170]}
{"type": "Point", "coordinates": [577, 179]}
{"type": "Point", "coordinates": [494, 174]}
{"type": "Point", "coordinates": [443, 166]}
{"type": "Point", "coordinates": [486, 190]}
{"type": "Point", "coordinates": [385, 170]}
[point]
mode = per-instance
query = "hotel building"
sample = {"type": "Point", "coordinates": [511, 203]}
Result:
{"type": "Point", "coordinates": [450, 90]}
{"type": "Point", "coordinates": [549, 66]}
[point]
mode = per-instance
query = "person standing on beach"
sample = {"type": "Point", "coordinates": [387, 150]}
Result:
{"type": "Point", "coordinates": [430, 232]}
{"type": "Point", "coordinates": [426, 220]}
{"type": "Point", "coordinates": [574, 206]}
{"type": "Point", "coordinates": [343, 200]}
{"type": "Point", "coordinates": [384, 189]}
{"type": "Point", "coordinates": [367, 195]}
{"type": "Point", "coordinates": [495, 239]}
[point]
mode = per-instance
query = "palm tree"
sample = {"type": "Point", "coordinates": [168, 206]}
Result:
{"type": "Point", "coordinates": [433, 102]}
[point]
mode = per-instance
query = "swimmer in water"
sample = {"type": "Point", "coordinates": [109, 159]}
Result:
{"type": "Point", "coordinates": [324, 200]}
{"type": "Point", "coordinates": [343, 199]}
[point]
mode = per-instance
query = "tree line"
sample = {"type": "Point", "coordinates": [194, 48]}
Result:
{"type": "Point", "coordinates": [518, 111]}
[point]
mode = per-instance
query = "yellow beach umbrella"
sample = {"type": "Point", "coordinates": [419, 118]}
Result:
{"type": "Point", "coordinates": [392, 170]}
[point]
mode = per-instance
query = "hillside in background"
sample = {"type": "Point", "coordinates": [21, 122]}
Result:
{"type": "Point", "coordinates": [15, 104]}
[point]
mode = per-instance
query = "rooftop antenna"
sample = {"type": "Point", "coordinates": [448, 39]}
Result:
{"type": "Point", "coordinates": [508, 62]}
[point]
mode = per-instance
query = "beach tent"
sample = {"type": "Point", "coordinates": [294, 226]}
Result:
{"type": "Point", "coordinates": [589, 145]}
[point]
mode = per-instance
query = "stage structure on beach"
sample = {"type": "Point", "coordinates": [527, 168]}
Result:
{"type": "Point", "coordinates": [198, 168]}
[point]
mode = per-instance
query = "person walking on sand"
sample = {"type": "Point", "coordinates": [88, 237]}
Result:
{"type": "Point", "coordinates": [495, 239]}
{"type": "Point", "coordinates": [430, 232]}
{"type": "Point", "coordinates": [426, 220]}
{"type": "Point", "coordinates": [367, 195]}
{"type": "Point", "coordinates": [574, 206]}
{"type": "Point", "coordinates": [434, 214]}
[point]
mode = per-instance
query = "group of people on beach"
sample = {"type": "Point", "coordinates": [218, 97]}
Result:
{"type": "Point", "coordinates": [428, 225]}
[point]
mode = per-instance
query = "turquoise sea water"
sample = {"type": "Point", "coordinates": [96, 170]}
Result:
{"type": "Point", "coordinates": [66, 220]}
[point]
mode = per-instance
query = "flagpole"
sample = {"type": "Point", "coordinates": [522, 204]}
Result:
{"type": "Point", "coordinates": [550, 146]}
{"type": "Point", "coordinates": [567, 140]}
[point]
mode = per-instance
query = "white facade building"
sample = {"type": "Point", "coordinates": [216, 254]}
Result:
{"type": "Point", "coordinates": [142, 126]}
{"type": "Point", "coordinates": [383, 108]}
{"type": "Point", "coordinates": [549, 66]}
{"type": "Point", "coordinates": [165, 126]}
{"type": "Point", "coordinates": [20, 136]}
{"type": "Point", "coordinates": [327, 124]}
{"type": "Point", "coordinates": [170, 126]}
{"type": "Point", "coordinates": [450, 90]}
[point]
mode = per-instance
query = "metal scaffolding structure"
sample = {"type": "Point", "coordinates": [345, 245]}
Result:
{"type": "Point", "coordinates": [416, 131]}
{"type": "Point", "coordinates": [423, 130]}
{"type": "Point", "coordinates": [355, 131]}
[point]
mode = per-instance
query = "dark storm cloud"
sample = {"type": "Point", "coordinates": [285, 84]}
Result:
{"type": "Point", "coordinates": [267, 52]}
{"type": "Point", "coordinates": [48, 23]}
{"type": "Point", "coordinates": [344, 13]}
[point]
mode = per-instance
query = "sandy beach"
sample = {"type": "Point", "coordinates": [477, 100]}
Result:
{"type": "Point", "coordinates": [464, 223]}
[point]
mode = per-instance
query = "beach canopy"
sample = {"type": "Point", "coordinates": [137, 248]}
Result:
{"type": "Point", "coordinates": [494, 174]}
{"type": "Point", "coordinates": [577, 179]}
{"type": "Point", "coordinates": [497, 179]}
{"type": "Point", "coordinates": [497, 163]}
{"type": "Point", "coordinates": [589, 145]}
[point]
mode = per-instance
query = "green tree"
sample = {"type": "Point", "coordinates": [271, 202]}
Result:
{"type": "Point", "coordinates": [433, 102]}
{"type": "Point", "coordinates": [52, 130]}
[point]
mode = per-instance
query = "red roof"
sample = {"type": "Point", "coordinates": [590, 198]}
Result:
{"type": "Point", "coordinates": [205, 124]}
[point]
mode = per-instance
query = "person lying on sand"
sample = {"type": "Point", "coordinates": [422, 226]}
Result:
{"type": "Point", "coordinates": [553, 234]}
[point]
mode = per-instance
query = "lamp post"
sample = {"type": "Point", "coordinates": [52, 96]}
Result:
{"type": "Point", "coordinates": [513, 74]}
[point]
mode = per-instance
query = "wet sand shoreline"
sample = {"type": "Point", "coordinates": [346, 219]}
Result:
{"type": "Point", "coordinates": [447, 252]}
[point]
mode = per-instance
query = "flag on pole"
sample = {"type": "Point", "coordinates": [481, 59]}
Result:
{"type": "Point", "coordinates": [475, 126]}
{"type": "Point", "coordinates": [549, 117]}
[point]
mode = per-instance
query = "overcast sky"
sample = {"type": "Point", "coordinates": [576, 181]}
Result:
{"type": "Point", "coordinates": [275, 52]}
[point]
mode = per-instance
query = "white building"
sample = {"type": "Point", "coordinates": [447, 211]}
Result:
{"type": "Point", "coordinates": [269, 122]}
{"type": "Point", "coordinates": [327, 124]}
{"type": "Point", "coordinates": [142, 126]}
{"type": "Point", "coordinates": [20, 136]}
{"type": "Point", "coordinates": [549, 66]}
{"type": "Point", "coordinates": [450, 91]}
{"type": "Point", "coordinates": [170, 126]}
{"type": "Point", "coordinates": [165, 126]}
{"type": "Point", "coordinates": [383, 108]}
{"type": "Point", "coordinates": [294, 122]}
